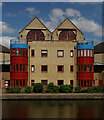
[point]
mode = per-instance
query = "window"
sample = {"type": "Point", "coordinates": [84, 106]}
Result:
{"type": "Point", "coordinates": [81, 53]}
{"type": "Point", "coordinates": [20, 52]}
{"type": "Point", "coordinates": [44, 68]}
{"type": "Point", "coordinates": [71, 82]}
{"type": "Point", "coordinates": [71, 53]}
{"type": "Point", "coordinates": [60, 82]}
{"type": "Point", "coordinates": [16, 67]}
{"type": "Point", "coordinates": [26, 52]}
{"type": "Point", "coordinates": [60, 68]}
{"type": "Point", "coordinates": [11, 68]}
{"type": "Point", "coordinates": [88, 83]}
{"type": "Point", "coordinates": [85, 69]}
{"type": "Point", "coordinates": [91, 83]}
{"type": "Point", "coordinates": [35, 35]}
{"type": "Point", "coordinates": [88, 67]}
{"type": "Point", "coordinates": [44, 82]}
{"type": "Point", "coordinates": [13, 83]}
{"type": "Point", "coordinates": [32, 82]}
{"type": "Point", "coordinates": [23, 82]}
{"type": "Point", "coordinates": [78, 53]}
{"type": "Point", "coordinates": [81, 68]}
{"type": "Point", "coordinates": [23, 52]}
{"type": "Point", "coordinates": [20, 82]}
{"type": "Point", "coordinates": [78, 82]}
{"type": "Point", "coordinates": [91, 53]}
{"type": "Point", "coordinates": [26, 67]}
{"type": "Point", "coordinates": [20, 67]}
{"type": "Point", "coordinates": [32, 68]}
{"type": "Point", "coordinates": [44, 53]}
{"type": "Point", "coordinates": [71, 68]}
{"type": "Point", "coordinates": [17, 82]}
{"type": "Point", "coordinates": [17, 51]}
{"type": "Point", "coordinates": [23, 67]}
{"type": "Point", "coordinates": [67, 35]}
{"type": "Point", "coordinates": [13, 51]}
{"type": "Point", "coordinates": [81, 83]}
{"type": "Point", "coordinates": [84, 52]}
{"type": "Point", "coordinates": [60, 53]}
{"type": "Point", "coordinates": [32, 53]}
{"type": "Point", "coordinates": [88, 53]}
{"type": "Point", "coordinates": [84, 83]}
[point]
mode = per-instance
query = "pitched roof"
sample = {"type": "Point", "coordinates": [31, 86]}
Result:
{"type": "Point", "coordinates": [31, 22]}
{"type": "Point", "coordinates": [99, 48]}
{"type": "Point", "coordinates": [4, 49]}
{"type": "Point", "coordinates": [70, 22]}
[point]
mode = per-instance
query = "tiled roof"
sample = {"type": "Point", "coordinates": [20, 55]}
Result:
{"type": "Point", "coordinates": [4, 49]}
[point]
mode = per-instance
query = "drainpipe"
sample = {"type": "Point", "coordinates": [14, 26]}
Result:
{"type": "Point", "coordinates": [29, 65]}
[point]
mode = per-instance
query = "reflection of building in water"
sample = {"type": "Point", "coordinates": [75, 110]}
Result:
{"type": "Point", "coordinates": [61, 57]}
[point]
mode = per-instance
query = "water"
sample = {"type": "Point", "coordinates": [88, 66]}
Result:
{"type": "Point", "coordinates": [53, 109]}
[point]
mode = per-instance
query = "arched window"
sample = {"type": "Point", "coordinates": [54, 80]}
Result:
{"type": "Point", "coordinates": [35, 35]}
{"type": "Point", "coordinates": [67, 35]}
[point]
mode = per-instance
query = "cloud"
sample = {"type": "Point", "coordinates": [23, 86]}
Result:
{"type": "Point", "coordinates": [1, 4]}
{"type": "Point", "coordinates": [57, 15]}
{"type": "Point", "coordinates": [88, 25]}
{"type": "Point", "coordinates": [10, 15]}
{"type": "Point", "coordinates": [71, 12]}
{"type": "Point", "coordinates": [32, 11]}
{"type": "Point", "coordinates": [4, 28]}
{"type": "Point", "coordinates": [5, 40]}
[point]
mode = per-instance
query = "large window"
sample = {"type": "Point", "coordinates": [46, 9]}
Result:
{"type": "Point", "coordinates": [67, 35]}
{"type": "Point", "coordinates": [60, 53]}
{"type": "Point", "coordinates": [82, 68]}
{"type": "Point", "coordinates": [13, 67]}
{"type": "Point", "coordinates": [17, 51]}
{"type": "Point", "coordinates": [32, 53]}
{"type": "Point", "coordinates": [81, 53]}
{"type": "Point", "coordinates": [32, 82]}
{"type": "Point", "coordinates": [71, 68]}
{"type": "Point", "coordinates": [32, 68]}
{"type": "Point", "coordinates": [88, 53]}
{"type": "Point", "coordinates": [44, 53]}
{"type": "Point", "coordinates": [71, 53]}
{"type": "Point", "coordinates": [60, 68]}
{"type": "Point", "coordinates": [60, 82]}
{"type": "Point", "coordinates": [20, 52]}
{"type": "Point", "coordinates": [85, 53]}
{"type": "Point", "coordinates": [44, 82]}
{"type": "Point", "coordinates": [20, 67]}
{"type": "Point", "coordinates": [23, 67]}
{"type": "Point", "coordinates": [16, 67]}
{"type": "Point", "coordinates": [23, 51]}
{"type": "Point", "coordinates": [14, 51]}
{"type": "Point", "coordinates": [35, 35]}
{"type": "Point", "coordinates": [85, 68]}
{"type": "Point", "coordinates": [44, 68]}
{"type": "Point", "coordinates": [88, 67]}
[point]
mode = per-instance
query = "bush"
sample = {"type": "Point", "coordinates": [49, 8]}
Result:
{"type": "Point", "coordinates": [37, 88]}
{"type": "Point", "coordinates": [98, 89]}
{"type": "Point", "coordinates": [10, 90]}
{"type": "Point", "coordinates": [28, 89]}
{"type": "Point", "coordinates": [51, 88]}
{"type": "Point", "coordinates": [84, 90]}
{"type": "Point", "coordinates": [13, 90]}
{"type": "Point", "coordinates": [17, 89]}
{"type": "Point", "coordinates": [66, 88]}
{"type": "Point", "coordinates": [77, 89]}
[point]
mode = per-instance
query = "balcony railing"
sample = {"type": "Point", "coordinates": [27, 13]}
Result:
{"type": "Point", "coordinates": [16, 41]}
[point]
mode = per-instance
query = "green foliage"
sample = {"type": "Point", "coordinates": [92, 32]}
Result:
{"type": "Point", "coordinates": [77, 89]}
{"type": "Point", "coordinates": [66, 88]}
{"type": "Point", "coordinates": [37, 88]}
{"type": "Point", "coordinates": [51, 88]}
{"type": "Point", "coordinates": [13, 90]}
{"type": "Point", "coordinates": [28, 89]}
{"type": "Point", "coordinates": [84, 90]}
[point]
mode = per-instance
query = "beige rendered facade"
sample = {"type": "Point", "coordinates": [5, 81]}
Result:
{"type": "Point", "coordinates": [52, 45]}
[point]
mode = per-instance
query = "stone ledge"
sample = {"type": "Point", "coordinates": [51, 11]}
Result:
{"type": "Point", "coordinates": [49, 96]}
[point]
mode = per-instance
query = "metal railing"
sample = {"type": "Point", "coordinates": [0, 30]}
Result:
{"type": "Point", "coordinates": [85, 42]}
{"type": "Point", "coordinates": [23, 41]}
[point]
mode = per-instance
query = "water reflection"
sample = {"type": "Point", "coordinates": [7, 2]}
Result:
{"type": "Point", "coordinates": [53, 109]}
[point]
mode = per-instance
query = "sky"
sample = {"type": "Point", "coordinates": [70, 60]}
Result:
{"type": "Point", "coordinates": [87, 16]}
